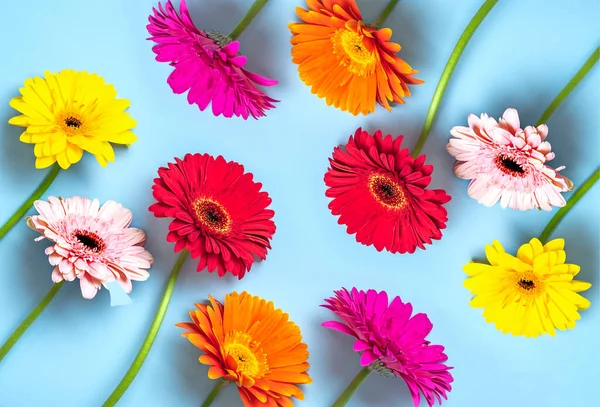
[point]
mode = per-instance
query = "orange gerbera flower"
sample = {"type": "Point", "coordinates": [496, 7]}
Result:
{"type": "Point", "coordinates": [250, 343]}
{"type": "Point", "coordinates": [349, 63]}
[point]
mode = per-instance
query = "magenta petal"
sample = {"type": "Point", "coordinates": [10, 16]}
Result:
{"type": "Point", "coordinates": [231, 49]}
{"type": "Point", "coordinates": [239, 61]}
{"type": "Point", "coordinates": [367, 358]}
{"type": "Point", "coordinates": [260, 80]}
{"type": "Point", "coordinates": [359, 346]}
{"type": "Point", "coordinates": [338, 326]}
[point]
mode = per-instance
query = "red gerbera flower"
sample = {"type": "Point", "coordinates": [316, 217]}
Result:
{"type": "Point", "coordinates": [219, 213]}
{"type": "Point", "coordinates": [379, 191]}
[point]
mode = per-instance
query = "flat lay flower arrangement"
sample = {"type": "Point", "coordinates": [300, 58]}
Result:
{"type": "Point", "coordinates": [336, 202]}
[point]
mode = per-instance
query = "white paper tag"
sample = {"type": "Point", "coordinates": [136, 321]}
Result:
{"type": "Point", "coordinates": [118, 296]}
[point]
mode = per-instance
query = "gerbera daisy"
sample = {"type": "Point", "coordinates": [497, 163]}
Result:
{"type": "Point", "coordinates": [530, 294]}
{"type": "Point", "coordinates": [379, 191]}
{"type": "Point", "coordinates": [346, 61]}
{"type": "Point", "coordinates": [92, 243]}
{"type": "Point", "coordinates": [247, 341]}
{"type": "Point", "coordinates": [68, 113]}
{"type": "Point", "coordinates": [507, 163]}
{"type": "Point", "coordinates": [206, 64]}
{"type": "Point", "coordinates": [219, 213]}
{"type": "Point", "coordinates": [392, 341]}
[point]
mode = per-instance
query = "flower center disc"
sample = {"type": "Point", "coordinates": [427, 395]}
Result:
{"type": "Point", "coordinates": [71, 123]}
{"type": "Point", "coordinates": [528, 284]}
{"type": "Point", "coordinates": [212, 215]}
{"type": "Point", "coordinates": [246, 355]}
{"type": "Point", "coordinates": [387, 191]}
{"type": "Point", "coordinates": [350, 48]}
{"type": "Point", "coordinates": [509, 166]}
{"type": "Point", "coordinates": [89, 240]}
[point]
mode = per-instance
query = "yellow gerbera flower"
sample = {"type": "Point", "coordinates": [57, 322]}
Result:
{"type": "Point", "coordinates": [531, 294]}
{"type": "Point", "coordinates": [70, 112]}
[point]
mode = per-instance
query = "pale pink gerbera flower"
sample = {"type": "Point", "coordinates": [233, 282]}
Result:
{"type": "Point", "coordinates": [507, 163]}
{"type": "Point", "coordinates": [206, 64]}
{"type": "Point", "coordinates": [392, 341]}
{"type": "Point", "coordinates": [91, 242]}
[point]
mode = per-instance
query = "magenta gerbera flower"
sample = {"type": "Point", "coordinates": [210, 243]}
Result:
{"type": "Point", "coordinates": [206, 64]}
{"type": "Point", "coordinates": [506, 163]}
{"type": "Point", "coordinates": [392, 341]}
{"type": "Point", "coordinates": [92, 243]}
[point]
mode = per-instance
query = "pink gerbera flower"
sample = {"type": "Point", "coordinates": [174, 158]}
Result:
{"type": "Point", "coordinates": [392, 341]}
{"type": "Point", "coordinates": [91, 242]}
{"type": "Point", "coordinates": [206, 64]}
{"type": "Point", "coordinates": [507, 163]}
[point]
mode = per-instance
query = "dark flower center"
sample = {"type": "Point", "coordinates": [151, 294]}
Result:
{"type": "Point", "coordinates": [212, 215]}
{"type": "Point", "coordinates": [509, 166]}
{"type": "Point", "coordinates": [90, 240]}
{"type": "Point", "coordinates": [526, 284]}
{"type": "Point", "coordinates": [387, 192]}
{"type": "Point", "coordinates": [529, 284]}
{"type": "Point", "coordinates": [73, 122]}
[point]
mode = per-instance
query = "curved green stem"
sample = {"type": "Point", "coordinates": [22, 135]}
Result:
{"type": "Point", "coordinates": [150, 336]}
{"type": "Point", "coordinates": [213, 394]}
{"type": "Point", "coordinates": [12, 340]}
{"type": "Point", "coordinates": [247, 19]}
{"type": "Point", "coordinates": [385, 13]}
{"type": "Point", "coordinates": [43, 187]}
{"type": "Point", "coordinates": [449, 69]}
{"type": "Point", "coordinates": [577, 195]}
{"type": "Point", "coordinates": [583, 71]}
{"type": "Point", "coordinates": [354, 384]}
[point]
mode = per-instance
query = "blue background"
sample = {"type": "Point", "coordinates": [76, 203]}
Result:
{"type": "Point", "coordinates": [521, 56]}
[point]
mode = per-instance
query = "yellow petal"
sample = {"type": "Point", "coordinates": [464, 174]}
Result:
{"type": "Point", "coordinates": [44, 162]}
{"type": "Point", "coordinates": [20, 120]}
{"type": "Point", "coordinates": [554, 245]}
{"type": "Point", "coordinates": [525, 253]}
{"type": "Point", "coordinates": [474, 269]}
{"type": "Point", "coordinates": [537, 247]}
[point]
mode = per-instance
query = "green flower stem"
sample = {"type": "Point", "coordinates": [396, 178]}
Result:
{"type": "Point", "coordinates": [150, 336]}
{"type": "Point", "coordinates": [449, 69]}
{"type": "Point", "coordinates": [247, 19]}
{"type": "Point", "coordinates": [354, 384]}
{"type": "Point", "coordinates": [577, 195]}
{"type": "Point", "coordinates": [12, 340]}
{"type": "Point", "coordinates": [213, 394]}
{"type": "Point", "coordinates": [45, 184]}
{"type": "Point", "coordinates": [385, 13]}
{"type": "Point", "coordinates": [583, 71]}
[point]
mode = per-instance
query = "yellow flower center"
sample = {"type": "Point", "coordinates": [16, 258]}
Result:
{"type": "Point", "coordinates": [528, 284]}
{"type": "Point", "coordinates": [387, 192]}
{"type": "Point", "coordinates": [212, 215]}
{"type": "Point", "coordinates": [71, 123]}
{"type": "Point", "coordinates": [248, 357]}
{"type": "Point", "coordinates": [352, 52]}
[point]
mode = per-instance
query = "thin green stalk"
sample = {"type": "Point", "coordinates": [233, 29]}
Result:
{"type": "Point", "coordinates": [583, 71]}
{"type": "Point", "coordinates": [43, 187]}
{"type": "Point", "coordinates": [247, 19]}
{"type": "Point", "coordinates": [385, 13]}
{"type": "Point", "coordinates": [150, 336]}
{"type": "Point", "coordinates": [449, 69]}
{"type": "Point", "coordinates": [354, 384]}
{"type": "Point", "coordinates": [12, 340]}
{"type": "Point", "coordinates": [213, 394]}
{"type": "Point", "coordinates": [562, 212]}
